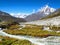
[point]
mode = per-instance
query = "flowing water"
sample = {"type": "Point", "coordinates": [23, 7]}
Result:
{"type": "Point", "coordinates": [51, 40]}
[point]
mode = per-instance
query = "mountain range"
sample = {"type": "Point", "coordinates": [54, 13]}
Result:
{"type": "Point", "coordinates": [51, 19]}
{"type": "Point", "coordinates": [43, 12]}
{"type": "Point", "coordinates": [52, 15]}
{"type": "Point", "coordinates": [7, 17]}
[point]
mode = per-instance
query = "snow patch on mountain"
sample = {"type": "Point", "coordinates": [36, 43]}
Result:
{"type": "Point", "coordinates": [46, 9]}
{"type": "Point", "coordinates": [19, 15]}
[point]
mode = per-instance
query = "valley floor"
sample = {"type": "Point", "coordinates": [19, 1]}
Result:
{"type": "Point", "coordinates": [33, 33]}
{"type": "Point", "coordinates": [52, 40]}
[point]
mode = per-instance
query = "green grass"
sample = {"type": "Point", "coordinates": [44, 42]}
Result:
{"type": "Point", "coordinates": [12, 41]}
{"type": "Point", "coordinates": [32, 30]}
{"type": "Point", "coordinates": [55, 28]}
{"type": "Point", "coordinates": [25, 42]}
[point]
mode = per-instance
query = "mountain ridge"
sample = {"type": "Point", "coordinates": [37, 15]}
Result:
{"type": "Point", "coordinates": [44, 11]}
{"type": "Point", "coordinates": [53, 20]}
{"type": "Point", "coordinates": [7, 17]}
{"type": "Point", "coordinates": [54, 14]}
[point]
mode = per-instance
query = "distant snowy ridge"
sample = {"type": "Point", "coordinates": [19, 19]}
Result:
{"type": "Point", "coordinates": [40, 13]}
{"type": "Point", "coordinates": [19, 15]}
{"type": "Point", "coordinates": [46, 9]}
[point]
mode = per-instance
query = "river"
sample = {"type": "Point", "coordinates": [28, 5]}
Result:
{"type": "Point", "coordinates": [51, 40]}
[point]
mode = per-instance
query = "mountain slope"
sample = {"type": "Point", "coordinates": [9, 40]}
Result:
{"type": "Point", "coordinates": [44, 11]}
{"type": "Point", "coordinates": [49, 20]}
{"type": "Point", "coordinates": [54, 14]}
{"type": "Point", "coordinates": [7, 17]}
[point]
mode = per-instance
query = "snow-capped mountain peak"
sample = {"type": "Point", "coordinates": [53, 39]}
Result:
{"type": "Point", "coordinates": [43, 11]}
{"type": "Point", "coordinates": [46, 9]}
{"type": "Point", "coordinates": [19, 15]}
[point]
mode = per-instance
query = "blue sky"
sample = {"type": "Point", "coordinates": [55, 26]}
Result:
{"type": "Point", "coordinates": [26, 6]}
